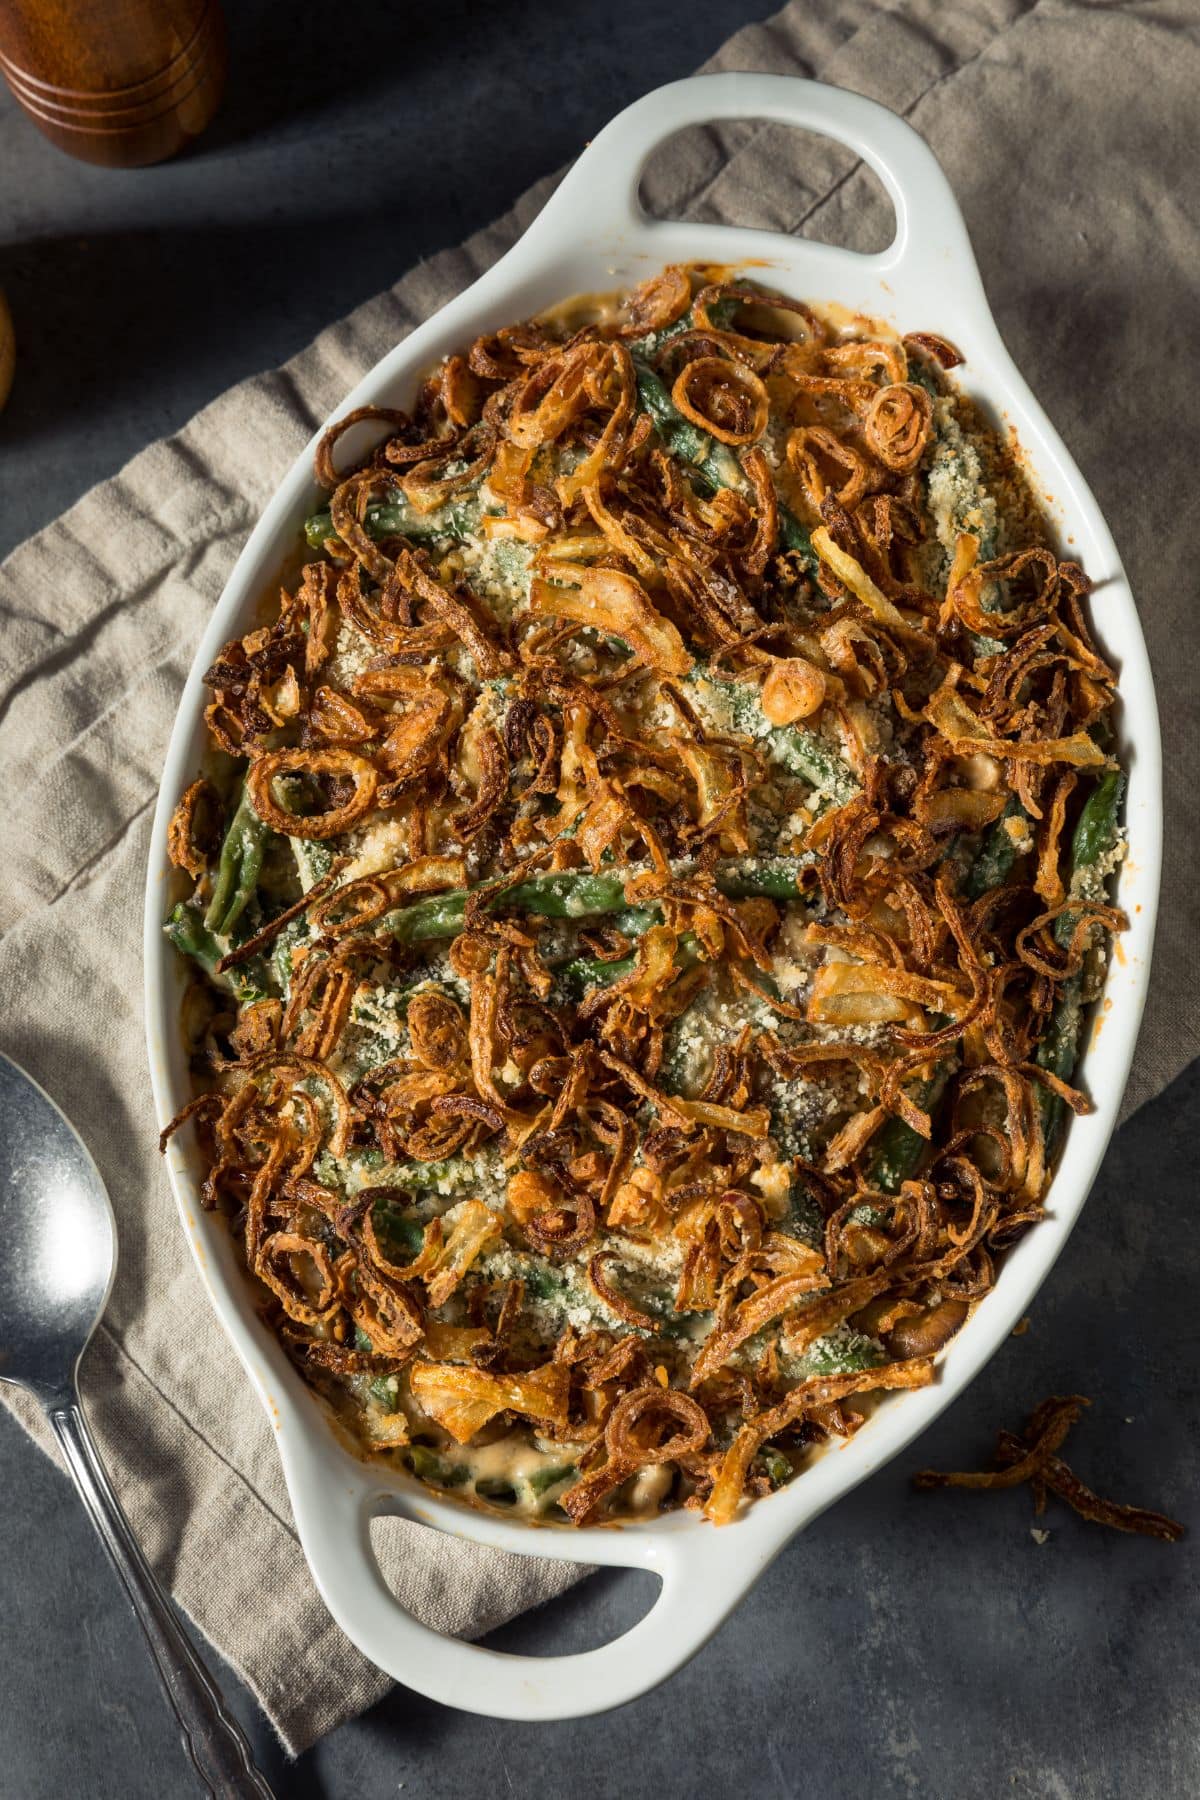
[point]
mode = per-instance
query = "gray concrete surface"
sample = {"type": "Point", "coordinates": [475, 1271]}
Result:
{"type": "Point", "coordinates": [906, 1644]}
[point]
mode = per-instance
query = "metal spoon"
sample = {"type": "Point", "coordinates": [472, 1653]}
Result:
{"type": "Point", "coordinates": [59, 1242]}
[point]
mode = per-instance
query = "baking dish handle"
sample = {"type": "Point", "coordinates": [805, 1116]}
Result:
{"type": "Point", "coordinates": [698, 1591]}
{"type": "Point", "coordinates": [602, 186]}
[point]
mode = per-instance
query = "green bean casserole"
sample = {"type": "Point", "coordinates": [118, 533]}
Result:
{"type": "Point", "coordinates": [644, 895]}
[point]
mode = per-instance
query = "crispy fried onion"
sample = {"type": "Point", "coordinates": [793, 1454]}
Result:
{"type": "Point", "coordinates": [811, 1396]}
{"type": "Point", "coordinates": [463, 1400]}
{"type": "Point", "coordinates": [939, 348]}
{"type": "Point", "coordinates": [825, 463]}
{"type": "Point", "coordinates": [765, 1305]}
{"type": "Point", "coordinates": [335, 767]}
{"type": "Point", "coordinates": [899, 425]}
{"type": "Point", "coordinates": [657, 303]}
{"type": "Point", "coordinates": [855, 578]}
{"type": "Point", "coordinates": [966, 734]}
{"type": "Point", "coordinates": [794, 688]}
{"type": "Point", "coordinates": [325, 471]}
{"type": "Point", "coordinates": [611, 1296]}
{"type": "Point", "coordinates": [475, 1226]}
{"type": "Point", "coordinates": [609, 601]}
{"type": "Point", "coordinates": [189, 840]}
{"type": "Point", "coordinates": [724, 398]}
{"type": "Point", "coordinates": [647, 1425]}
{"type": "Point", "coordinates": [1031, 1458]}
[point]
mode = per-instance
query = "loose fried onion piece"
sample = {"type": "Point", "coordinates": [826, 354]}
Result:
{"type": "Point", "coordinates": [1031, 1458]}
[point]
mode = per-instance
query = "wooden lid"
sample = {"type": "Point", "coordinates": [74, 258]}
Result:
{"type": "Point", "coordinates": [127, 85]}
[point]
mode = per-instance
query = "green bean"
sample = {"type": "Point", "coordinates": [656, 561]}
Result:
{"type": "Point", "coordinates": [779, 1467]}
{"type": "Point", "coordinates": [429, 1466]}
{"type": "Point", "coordinates": [542, 1281]}
{"type": "Point", "coordinates": [313, 859]}
{"type": "Point", "coordinates": [450, 1174]}
{"type": "Point", "coordinates": [497, 1489]}
{"type": "Point", "coordinates": [982, 646]}
{"type": "Point", "coordinates": [841, 1353]}
{"type": "Point", "coordinates": [794, 536]}
{"type": "Point", "coordinates": [543, 1479]}
{"type": "Point", "coordinates": [800, 752]}
{"type": "Point", "coordinates": [560, 1290]}
{"type": "Point", "coordinates": [399, 518]}
{"type": "Point", "coordinates": [1058, 1053]}
{"type": "Point", "coordinates": [580, 894]}
{"type": "Point", "coordinates": [899, 1149]}
{"type": "Point", "coordinates": [997, 854]}
{"type": "Point", "coordinates": [1059, 1046]}
{"type": "Point", "coordinates": [921, 373]}
{"type": "Point", "coordinates": [190, 936]}
{"type": "Point", "coordinates": [427, 920]}
{"type": "Point", "coordinates": [279, 956]}
{"type": "Point", "coordinates": [679, 435]}
{"type": "Point", "coordinates": [385, 1391]}
{"type": "Point", "coordinates": [238, 868]}
{"type": "Point", "coordinates": [676, 1068]}
{"type": "Point", "coordinates": [659, 1304]}
{"type": "Point", "coordinates": [805, 754]}
{"type": "Point", "coordinates": [572, 895]}
{"type": "Point", "coordinates": [1096, 833]}
{"type": "Point", "coordinates": [456, 1171]}
{"type": "Point", "coordinates": [400, 1235]}
{"type": "Point", "coordinates": [1095, 837]}
{"type": "Point", "coordinates": [583, 972]}
{"type": "Point", "coordinates": [897, 1157]}
{"type": "Point", "coordinates": [633, 920]}
{"type": "Point", "coordinates": [804, 1218]}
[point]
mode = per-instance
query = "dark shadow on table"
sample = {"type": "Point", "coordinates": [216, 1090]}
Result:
{"type": "Point", "coordinates": [288, 70]}
{"type": "Point", "coordinates": [169, 312]}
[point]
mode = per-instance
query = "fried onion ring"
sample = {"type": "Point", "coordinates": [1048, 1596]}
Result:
{"type": "Point", "coordinates": [266, 770]}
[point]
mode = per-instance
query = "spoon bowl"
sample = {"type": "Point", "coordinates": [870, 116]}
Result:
{"type": "Point", "coordinates": [59, 1237]}
{"type": "Point", "coordinates": [60, 1255]}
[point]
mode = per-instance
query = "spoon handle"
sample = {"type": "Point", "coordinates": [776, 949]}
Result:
{"type": "Point", "coordinates": [214, 1741]}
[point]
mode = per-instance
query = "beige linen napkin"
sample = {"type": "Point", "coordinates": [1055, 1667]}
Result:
{"type": "Point", "coordinates": [1062, 126]}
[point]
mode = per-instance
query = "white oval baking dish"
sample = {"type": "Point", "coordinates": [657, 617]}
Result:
{"type": "Point", "coordinates": [594, 236]}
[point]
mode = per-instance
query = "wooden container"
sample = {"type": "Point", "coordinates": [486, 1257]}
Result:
{"type": "Point", "coordinates": [120, 82]}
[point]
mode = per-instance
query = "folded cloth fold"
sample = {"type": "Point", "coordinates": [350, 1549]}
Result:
{"type": "Point", "coordinates": [1041, 113]}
